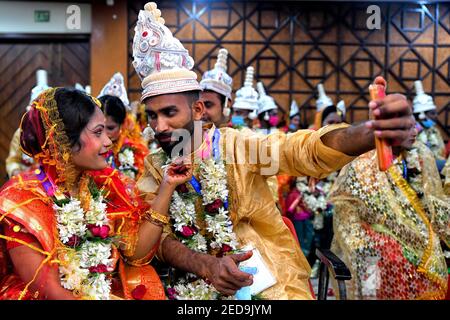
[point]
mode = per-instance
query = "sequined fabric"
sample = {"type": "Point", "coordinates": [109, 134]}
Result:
{"type": "Point", "coordinates": [446, 173]}
{"type": "Point", "coordinates": [388, 229]}
{"type": "Point", "coordinates": [432, 138]}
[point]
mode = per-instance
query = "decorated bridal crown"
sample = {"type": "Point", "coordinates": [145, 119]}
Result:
{"type": "Point", "coordinates": [160, 60]}
{"type": "Point", "coordinates": [217, 79]}
{"type": "Point", "coordinates": [116, 87]}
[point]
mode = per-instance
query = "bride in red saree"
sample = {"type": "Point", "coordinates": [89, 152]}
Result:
{"type": "Point", "coordinates": [73, 229]}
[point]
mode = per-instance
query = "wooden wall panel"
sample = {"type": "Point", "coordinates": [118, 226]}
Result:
{"type": "Point", "coordinates": [296, 45]}
{"type": "Point", "coordinates": [108, 42]}
{"type": "Point", "coordinates": [66, 63]}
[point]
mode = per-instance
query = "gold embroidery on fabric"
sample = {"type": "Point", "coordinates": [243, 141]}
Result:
{"type": "Point", "coordinates": [415, 202]}
{"type": "Point", "coordinates": [58, 152]}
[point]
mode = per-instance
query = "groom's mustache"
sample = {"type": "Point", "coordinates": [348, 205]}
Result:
{"type": "Point", "coordinates": [163, 136]}
{"type": "Point", "coordinates": [174, 136]}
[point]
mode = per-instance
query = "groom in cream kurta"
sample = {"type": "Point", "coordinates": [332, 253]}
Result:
{"type": "Point", "coordinates": [170, 93]}
{"type": "Point", "coordinates": [255, 216]}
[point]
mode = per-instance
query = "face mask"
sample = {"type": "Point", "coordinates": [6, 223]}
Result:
{"type": "Point", "coordinates": [273, 120]}
{"type": "Point", "coordinates": [237, 120]}
{"type": "Point", "coordinates": [292, 127]}
{"type": "Point", "coordinates": [428, 123]}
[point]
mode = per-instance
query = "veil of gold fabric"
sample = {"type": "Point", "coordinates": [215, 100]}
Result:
{"type": "Point", "coordinates": [387, 234]}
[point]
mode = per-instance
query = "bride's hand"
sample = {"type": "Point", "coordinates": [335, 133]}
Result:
{"type": "Point", "coordinates": [178, 173]}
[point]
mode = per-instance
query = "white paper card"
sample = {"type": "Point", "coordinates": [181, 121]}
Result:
{"type": "Point", "coordinates": [263, 278]}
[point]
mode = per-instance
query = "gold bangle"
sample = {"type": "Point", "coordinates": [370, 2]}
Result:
{"type": "Point", "coordinates": [153, 216]}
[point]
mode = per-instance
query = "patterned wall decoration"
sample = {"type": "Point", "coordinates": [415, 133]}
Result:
{"type": "Point", "coordinates": [293, 46]}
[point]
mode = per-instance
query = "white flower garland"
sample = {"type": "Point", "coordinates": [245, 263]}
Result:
{"type": "Point", "coordinates": [126, 158]}
{"type": "Point", "coordinates": [314, 200]}
{"type": "Point", "coordinates": [97, 213]}
{"type": "Point", "coordinates": [75, 264]}
{"type": "Point", "coordinates": [197, 290]}
{"type": "Point", "coordinates": [213, 179]}
{"type": "Point", "coordinates": [219, 228]}
{"type": "Point", "coordinates": [70, 220]}
{"type": "Point", "coordinates": [126, 161]}
{"type": "Point", "coordinates": [182, 212]}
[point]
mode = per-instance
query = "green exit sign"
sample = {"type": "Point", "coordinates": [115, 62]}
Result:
{"type": "Point", "coordinates": [42, 16]}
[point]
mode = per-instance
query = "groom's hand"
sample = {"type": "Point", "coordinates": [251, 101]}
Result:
{"type": "Point", "coordinates": [394, 118]}
{"type": "Point", "coordinates": [225, 276]}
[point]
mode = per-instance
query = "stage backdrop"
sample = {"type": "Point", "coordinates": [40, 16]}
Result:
{"type": "Point", "coordinates": [293, 46]}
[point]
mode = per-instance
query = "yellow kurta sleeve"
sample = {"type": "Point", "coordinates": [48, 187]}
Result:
{"type": "Point", "coordinates": [298, 154]}
{"type": "Point", "coordinates": [14, 160]}
{"type": "Point", "coordinates": [150, 180]}
{"type": "Point", "coordinates": [272, 182]}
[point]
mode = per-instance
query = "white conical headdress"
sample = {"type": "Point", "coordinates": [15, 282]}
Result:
{"type": "Point", "coordinates": [217, 79]}
{"type": "Point", "coordinates": [116, 87]}
{"type": "Point", "coordinates": [323, 101]}
{"type": "Point", "coordinates": [41, 84]}
{"type": "Point", "coordinates": [160, 60]}
{"type": "Point", "coordinates": [86, 89]}
{"type": "Point", "coordinates": [422, 102]}
{"type": "Point", "coordinates": [294, 110]}
{"type": "Point", "coordinates": [79, 87]}
{"type": "Point", "coordinates": [247, 96]}
{"type": "Point", "coordinates": [265, 102]}
{"type": "Point", "coordinates": [341, 107]}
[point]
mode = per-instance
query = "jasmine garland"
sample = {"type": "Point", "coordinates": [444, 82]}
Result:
{"type": "Point", "coordinates": [85, 255]}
